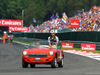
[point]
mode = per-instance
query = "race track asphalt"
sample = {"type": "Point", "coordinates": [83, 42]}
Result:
{"type": "Point", "coordinates": [10, 64]}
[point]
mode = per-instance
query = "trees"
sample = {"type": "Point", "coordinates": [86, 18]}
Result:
{"type": "Point", "coordinates": [14, 9]}
{"type": "Point", "coordinates": [35, 10]}
{"type": "Point", "coordinates": [3, 7]}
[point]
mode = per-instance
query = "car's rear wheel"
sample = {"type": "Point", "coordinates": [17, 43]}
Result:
{"type": "Point", "coordinates": [24, 64]}
{"type": "Point", "coordinates": [32, 65]}
{"type": "Point", "coordinates": [54, 63]}
{"type": "Point", "coordinates": [60, 64]}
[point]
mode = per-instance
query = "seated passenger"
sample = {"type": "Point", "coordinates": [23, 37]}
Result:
{"type": "Point", "coordinates": [37, 44]}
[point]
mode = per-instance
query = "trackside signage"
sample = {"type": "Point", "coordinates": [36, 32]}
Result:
{"type": "Point", "coordinates": [67, 45]}
{"type": "Point", "coordinates": [25, 29]}
{"type": "Point", "coordinates": [16, 23]}
{"type": "Point", "coordinates": [74, 23]}
{"type": "Point", "coordinates": [90, 47]}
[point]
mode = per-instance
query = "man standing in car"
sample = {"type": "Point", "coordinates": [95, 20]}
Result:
{"type": "Point", "coordinates": [53, 38]}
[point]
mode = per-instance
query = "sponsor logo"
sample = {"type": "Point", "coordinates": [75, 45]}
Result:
{"type": "Point", "coordinates": [67, 45]}
{"type": "Point", "coordinates": [18, 29]}
{"type": "Point", "coordinates": [74, 23]}
{"type": "Point", "coordinates": [11, 23]}
{"type": "Point", "coordinates": [91, 47]}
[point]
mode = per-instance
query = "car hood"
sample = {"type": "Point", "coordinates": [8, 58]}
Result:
{"type": "Point", "coordinates": [40, 50]}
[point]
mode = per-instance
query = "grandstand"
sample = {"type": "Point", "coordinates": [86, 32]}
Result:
{"type": "Point", "coordinates": [88, 21]}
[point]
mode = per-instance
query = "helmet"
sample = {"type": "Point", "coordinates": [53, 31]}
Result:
{"type": "Point", "coordinates": [52, 31]}
{"type": "Point", "coordinates": [4, 32]}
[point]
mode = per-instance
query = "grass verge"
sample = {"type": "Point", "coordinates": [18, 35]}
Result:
{"type": "Point", "coordinates": [1, 37]}
{"type": "Point", "coordinates": [21, 42]}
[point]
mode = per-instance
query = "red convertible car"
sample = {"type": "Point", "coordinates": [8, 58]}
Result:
{"type": "Point", "coordinates": [41, 53]}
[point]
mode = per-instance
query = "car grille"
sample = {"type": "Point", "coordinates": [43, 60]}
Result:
{"type": "Point", "coordinates": [37, 56]}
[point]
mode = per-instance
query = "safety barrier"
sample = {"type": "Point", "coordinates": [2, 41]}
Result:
{"type": "Point", "coordinates": [1, 34]}
{"type": "Point", "coordinates": [73, 36]}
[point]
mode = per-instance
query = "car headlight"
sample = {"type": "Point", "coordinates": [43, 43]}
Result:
{"type": "Point", "coordinates": [51, 52]}
{"type": "Point", "coordinates": [25, 53]}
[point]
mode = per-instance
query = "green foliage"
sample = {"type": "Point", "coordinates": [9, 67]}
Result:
{"type": "Point", "coordinates": [35, 10]}
{"type": "Point", "coordinates": [41, 10]}
{"type": "Point", "coordinates": [3, 7]}
{"type": "Point", "coordinates": [14, 9]}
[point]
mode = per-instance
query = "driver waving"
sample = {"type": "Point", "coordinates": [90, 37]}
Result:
{"type": "Point", "coordinates": [53, 39]}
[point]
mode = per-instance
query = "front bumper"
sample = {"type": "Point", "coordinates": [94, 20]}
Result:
{"type": "Point", "coordinates": [49, 59]}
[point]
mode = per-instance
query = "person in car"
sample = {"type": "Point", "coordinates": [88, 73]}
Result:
{"type": "Point", "coordinates": [53, 39]}
{"type": "Point", "coordinates": [37, 44]}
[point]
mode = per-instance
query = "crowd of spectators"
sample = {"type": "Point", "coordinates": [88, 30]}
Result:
{"type": "Point", "coordinates": [88, 21]}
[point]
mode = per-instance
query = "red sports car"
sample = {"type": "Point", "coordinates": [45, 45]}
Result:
{"type": "Point", "coordinates": [41, 53]}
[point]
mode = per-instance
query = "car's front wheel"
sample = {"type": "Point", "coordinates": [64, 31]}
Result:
{"type": "Point", "coordinates": [60, 64]}
{"type": "Point", "coordinates": [54, 63]}
{"type": "Point", "coordinates": [32, 65]}
{"type": "Point", "coordinates": [24, 64]}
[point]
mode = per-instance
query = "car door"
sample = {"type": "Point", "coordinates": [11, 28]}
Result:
{"type": "Point", "coordinates": [59, 55]}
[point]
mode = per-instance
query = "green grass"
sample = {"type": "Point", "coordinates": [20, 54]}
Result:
{"type": "Point", "coordinates": [24, 42]}
{"type": "Point", "coordinates": [1, 37]}
{"type": "Point", "coordinates": [21, 42]}
{"type": "Point", "coordinates": [70, 49]}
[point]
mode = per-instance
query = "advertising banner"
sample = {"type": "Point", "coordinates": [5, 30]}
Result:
{"type": "Point", "coordinates": [90, 47]}
{"type": "Point", "coordinates": [74, 23]}
{"type": "Point", "coordinates": [25, 29]}
{"type": "Point", "coordinates": [67, 45]}
{"type": "Point", "coordinates": [15, 23]}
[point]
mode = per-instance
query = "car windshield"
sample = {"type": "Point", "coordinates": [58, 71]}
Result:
{"type": "Point", "coordinates": [42, 45]}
